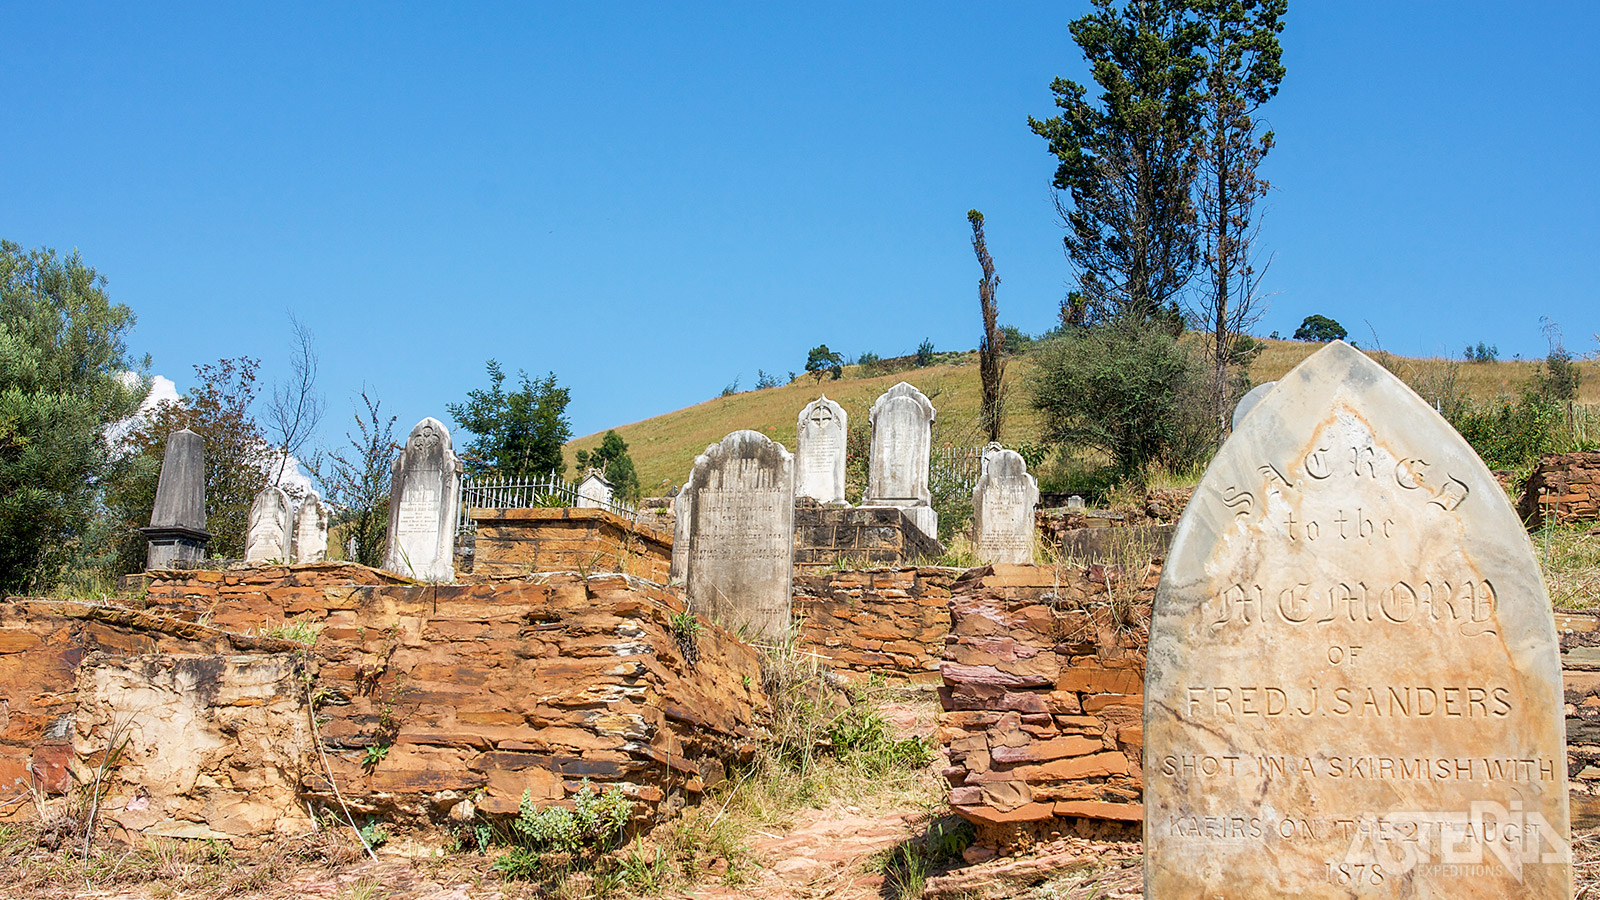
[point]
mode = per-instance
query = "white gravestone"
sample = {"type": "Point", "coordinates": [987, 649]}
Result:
{"type": "Point", "coordinates": [740, 534]}
{"type": "Point", "coordinates": [1002, 510]}
{"type": "Point", "coordinates": [268, 535]}
{"type": "Point", "coordinates": [594, 492]}
{"type": "Point", "coordinates": [819, 451]}
{"type": "Point", "coordinates": [1249, 401]}
{"type": "Point", "coordinates": [311, 530]}
{"type": "Point", "coordinates": [987, 453]}
{"type": "Point", "coordinates": [1353, 686]}
{"type": "Point", "coordinates": [682, 524]}
{"type": "Point", "coordinates": [902, 443]}
{"type": "Point", "coordinates": [424, 497]}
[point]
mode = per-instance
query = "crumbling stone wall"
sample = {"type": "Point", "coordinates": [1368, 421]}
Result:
{"type": "Point", "coordinates": [861, 537]}
{"type": "Point", "coordinates": [890, 623]}
{"type": "Point", "coordinates": [516, 542]}
{"type": "Point", "coordinates": [1090, 535]}
{"type": "Point", "coordinates": [1043, 700]}
{"type": "Point", "coordinates": [432, 702]}
{"type": "Point", "coordinates": [1564, 488]}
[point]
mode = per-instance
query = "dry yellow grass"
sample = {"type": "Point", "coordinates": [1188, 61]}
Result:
{"type": "Point", "coordinates": [664, 447]}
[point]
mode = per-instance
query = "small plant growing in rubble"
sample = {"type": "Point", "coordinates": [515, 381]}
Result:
{"type": "Point", "coordinates": [374, 754]}
{"type": "Point", "coordinates": [686, 631]}
{"type": "Point", "coordinates": [591, 827]}
{"type": "Point", "coordinates": [301, 631]}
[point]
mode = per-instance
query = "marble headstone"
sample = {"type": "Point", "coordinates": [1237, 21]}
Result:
{"type": "Point", "coordinates": [902, 443]}
{"type": "Point", "coordinates": [740, 534]}
{"type": "Point", "coordinates": [594, 492]}
{"type": "Point", "coordinates": [682, 524]}
{"type": "Point", "coordinates": [424, 496]}
{"type": "Point", "coordinates": [1249, 401]}
{"type": "Point", "coordinates": [1002, 510]}
{"type": "Point", "coordinates": [311, 530]}
{"type": "Point", "coordinates": [177, 532]}
{"type": "Point", "coordinates": [268, 536]}
{"type": "Point", "coordinates": [987, 453]}
{"type": "Point", "coordinates": [819, 451]}
{"type": "Point", "coordinates": [1353, 686]}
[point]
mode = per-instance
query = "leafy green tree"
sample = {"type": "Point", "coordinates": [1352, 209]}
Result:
{"type": "Point", "coordinates": [1319, 328]}
{"type": "Point", "coordinates": [991, 347]}
{"type": "Point", "coordinates": [516, 435]}
{"type": "Point", "coordinates": [614, 463]}
{"type": "Point", "coordinates": [924, 355]}
{"type": "Point", "coordinates": [1243, 68]}
{"type": "Point", "coordinates": [64, 377]}
{"type": "Point", "coordinates": [822, 361]}
{"type": "Point", "coordinates": [1130, 389]}
{"type": "Point", "coordinates": [238, 459]}
{"type": "Point", "coordinates": [1128, 163]}
{"type": "Point", "coordinates": [359, 481]}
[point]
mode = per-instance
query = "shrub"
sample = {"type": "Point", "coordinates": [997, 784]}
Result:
{"type": "Point", "coordinates": [764, 380]}
{"type": "Point", "coordinates": [1482, 353]}
{"type": "Point", "coordinates": [924, 355]}
{"type": "Point", "coordinates": [869, 362]}
{"type": "Point", "coordinates": [1129, 389]}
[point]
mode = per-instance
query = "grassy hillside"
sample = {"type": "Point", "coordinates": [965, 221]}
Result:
{"type": "Point", "coordinates": [664, 447]}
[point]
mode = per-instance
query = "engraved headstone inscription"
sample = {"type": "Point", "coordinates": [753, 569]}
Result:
{"type": "Point", "coordinates": [1002, 510]}
{"type": "Point", "coordinates": [268, 535]}
{"type": "Point", "coordinates": [177, 534]}
{"type": "Point", "coordinates": [819, 451]}
{"type": "Point", "coordinates": [424, 496]}
{"type": "Point", "coordinates": [740, 534]}
{"type": "Point", "coordinates": [311, 530]}
{"type": "Point", "coordinates": [1353, 685]}
{"type": "Point", "coordinates": [902, 443]}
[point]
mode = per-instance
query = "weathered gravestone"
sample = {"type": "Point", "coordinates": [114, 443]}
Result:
{"type": "Point", "coordinates": [902, 443]}
{"type": "Point", "coordinates": [1002, 510]}
{"type": "Point", "coordinates": [177, 532]}
{"type": "Point", "coordinates": [1249, 401]}
{"type": "Point", "coordinates": [1353, 686]}
{"type": "Point", "coordinates": [424, 496]}
{"type": "Point", "coordinates": [267, 537]}
{"type": "Point", "coordinates": [819, 451]}
{"type": "Point", "coordinates": [594, 492]}
{"type": "Point", "coordinates": [986, 454]}
{"type": "Point", "coordinates": [739, 534]}
{"type": "Point", "coordinates": [311, 530]}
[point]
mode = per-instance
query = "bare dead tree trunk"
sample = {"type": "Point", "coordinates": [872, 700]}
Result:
{"type": "Point", "coordinates": [991, 367]}
{"type": "Point", "coordinates": [295, 408]}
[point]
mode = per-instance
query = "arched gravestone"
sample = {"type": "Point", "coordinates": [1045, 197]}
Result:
{"type": "Point", "coordinates": [311, 530]}
{"type": "Point", "coordinates": [739, 534]}
{"type": "Point", "coordinates": [424, 496]}
{"type": "Point", "coordinates": [1003, 502]}
{"type": "Point", "coordinates": [1353, 685]}
{"type": "Point", "coordinates": [268, 536]}
{"type": "Point", "coordinates": [902, 445]}
{"type": "Point", "coordinates": [819, 451]}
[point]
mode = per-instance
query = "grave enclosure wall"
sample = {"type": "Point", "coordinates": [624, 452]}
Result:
{"type": "Point", "coordinates": [479, 692]}
{"type": "Point", "coordinates": [889, 623]}
{"type": "Point", "coordinates": [515, 542]}
{"type": "Point", "coordinates": [1564, 488]}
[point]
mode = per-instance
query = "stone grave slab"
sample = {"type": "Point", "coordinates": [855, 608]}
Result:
{"type": "Point", "coordinates": [1353, 685]}
{"type": "Point", "coordinates": [902, 445]}
{"type": "Point", "coordinates": [820, 434]}
{"type": "Point", "coordinates": [268, 536]}
{"type": "Point", "coordinates": [1003, 502]}
{"type": "Point", "coordinates": [424, 500]}
{"type": "Point", "coordinates": [311, 530]}
{"type": "Point", "coordinates": [738, 534]}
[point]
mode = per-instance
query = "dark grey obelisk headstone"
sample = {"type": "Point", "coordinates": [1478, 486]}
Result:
{"type": "Point", "coordinates": [177, 532]}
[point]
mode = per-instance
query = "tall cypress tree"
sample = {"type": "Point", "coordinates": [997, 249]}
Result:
{"type": "Point", "coordinates": [1127, 163]}
{"type": "Point", "coordinates": [1243, 68]}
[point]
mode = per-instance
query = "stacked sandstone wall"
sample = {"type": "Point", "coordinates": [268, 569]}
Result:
{"type": "Point", "coordinates": [1564, 488]}
{"type": "Point", "coordinates": [1043, 700]}
{"type": "Point", "coordinates": [889, 623]}
{"type": "Point", "coordinates": [431, 702]}
{"type": "Point", "coordinates": [515, 542]}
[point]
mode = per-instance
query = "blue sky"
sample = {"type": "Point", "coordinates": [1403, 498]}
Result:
{"type": "Point", "coordinates": [653, 199]}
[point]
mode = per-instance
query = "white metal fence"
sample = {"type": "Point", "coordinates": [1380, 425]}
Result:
{"type": "Point", "coordinates": [548, 491]}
